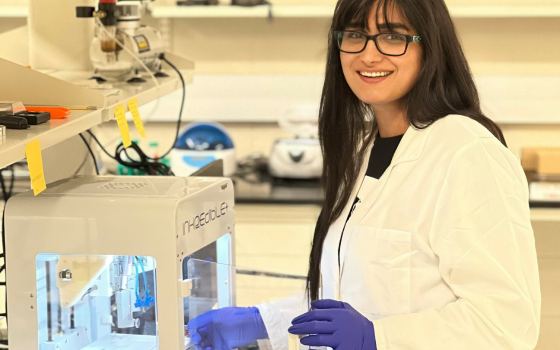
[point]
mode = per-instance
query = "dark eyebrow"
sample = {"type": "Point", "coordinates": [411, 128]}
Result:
{"type": "Point", "coordinates": [393, 26]}
{"type": "Point", "coordinates": [356, 25]}
{"type": "Point", "coordinates": [382, 26]}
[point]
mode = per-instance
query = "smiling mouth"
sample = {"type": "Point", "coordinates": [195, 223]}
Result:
{"type": "Point", "coordinates": [375, 74]}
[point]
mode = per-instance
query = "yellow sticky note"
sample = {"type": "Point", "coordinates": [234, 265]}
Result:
{"type": "Point", "coordinates": [35, 164]}
{"type": "Point", "coordinates": [123, 125]}
{"type": "Point", "coordinates": [133, 107]}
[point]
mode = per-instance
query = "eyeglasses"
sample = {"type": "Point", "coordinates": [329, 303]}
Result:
{"type": "Point", "coordinates": [390, 44]}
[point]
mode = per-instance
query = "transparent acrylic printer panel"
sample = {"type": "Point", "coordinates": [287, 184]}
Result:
{"type": "Point", "coordinates": [95, 302]}
{"type": "Point", "coordinates": [211, 289]}
{"type": "Point", "coordinates": [211, 278]}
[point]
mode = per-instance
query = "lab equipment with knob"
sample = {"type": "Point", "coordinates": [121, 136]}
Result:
{"type": "Point", "coordinates": [118, 263]}
{"type": "Point", "coordinates": [119, 38]}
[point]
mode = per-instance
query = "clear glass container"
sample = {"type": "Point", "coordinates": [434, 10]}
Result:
{"type": "Point", "coordinates": [106, 55]}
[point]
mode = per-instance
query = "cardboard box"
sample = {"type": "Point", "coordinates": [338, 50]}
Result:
{"type": "Point", "coordinates": [545, 161]}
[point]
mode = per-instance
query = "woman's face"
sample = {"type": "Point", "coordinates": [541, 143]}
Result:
{"type": "Point", "coordinates": [404, 69]}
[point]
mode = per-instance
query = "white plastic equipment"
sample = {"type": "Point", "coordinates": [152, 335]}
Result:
{"type": "Point", "coordinates": [200, 144]}
{"type": "Point", "coordinates": [300, 157]}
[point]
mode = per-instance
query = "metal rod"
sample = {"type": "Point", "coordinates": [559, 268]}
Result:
{"type": "Point", "coordinates": [49, 311]}
{"type": "Point", "coordinates": [59, 310]}
{"type": "Point", "coordinates": [72, 324]}
{"type": "Point", "coordinates": [269, 274]}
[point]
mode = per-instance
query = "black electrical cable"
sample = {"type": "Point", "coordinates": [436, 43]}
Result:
{"type": "Point", "coordinates": [182, 105]}
{"type": "Point", "coordinates": [145, 163]}
{"type": "Point", "coordinates": [5, 284]}
{"type": "Point", "coordinates": [3, 185]}
{"type": "Point", "coordinates": [3, 267]}
{"type": "Point", "coordinates": [7, 191]}
{"type": "Point", "coordinates": [150, 166]}
{"type": "Point", "coordinates": [100, 145]}
{"type": "Point", "coordinates": [91, 153]}
{"type": "Point", "coordinates": [12, 180]}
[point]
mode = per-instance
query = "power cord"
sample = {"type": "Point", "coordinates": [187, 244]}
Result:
{"type": "Point", "coordinates": [7, 191]}
{"type": "Point", "coordinates": [149, 165]}
{"type": "Point", "coordinates": [146, 164]}
{"type": "Point", "coordinates": [182, 104]}
{"type": "Point", "coordinates": [5, 283]}
{"type": "Point", "coordinates": [91, 153]}
{"type": "Point", "coordinates": [100, 145]}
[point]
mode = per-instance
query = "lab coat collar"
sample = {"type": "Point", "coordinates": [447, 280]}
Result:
{"type": "Point", "coordinates": [411, 146]}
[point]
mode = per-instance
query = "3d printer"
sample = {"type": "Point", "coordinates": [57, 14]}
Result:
{"type": "Point", "coordinates": [110, 263]}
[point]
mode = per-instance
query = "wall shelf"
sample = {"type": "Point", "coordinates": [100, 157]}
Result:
{"type": "Point", "coordinates": [49, 134]}
{"type": "Point", "coordinates": [172, 11]}
{"type": "Point", "coordinates": [262, 11]}
{"type": "Point", "coordinates": [63, 88]}
{"type": "Point", "coordinates": [510, 11]}
{"type": "Point", "coordinates": [325, 11]}
{"type": "Point", "coordinates": [14, 11]}
{"type": "Point", "coordinates": [145, 92]}
{"type": "Point", "coordinates": [162, 11]}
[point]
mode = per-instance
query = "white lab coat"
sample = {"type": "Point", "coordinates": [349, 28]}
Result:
{"type": "Point", "coordinates": [440, 253]}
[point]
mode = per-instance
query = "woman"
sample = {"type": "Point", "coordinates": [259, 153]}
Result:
{"type": "Point", "coordinates": [424, 240]}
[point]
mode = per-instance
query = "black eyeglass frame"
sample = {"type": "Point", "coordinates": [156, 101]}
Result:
{"type": "Point", "coordinates": [409, 39]}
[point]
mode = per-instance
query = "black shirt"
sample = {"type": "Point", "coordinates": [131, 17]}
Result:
{"type": "Point", "coordinates": [381, 155]}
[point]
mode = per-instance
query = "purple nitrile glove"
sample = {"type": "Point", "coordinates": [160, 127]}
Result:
{"type": "Point", "coordinates": [334, 324]}
{"type": "Point", "coordinates": [227, 328]}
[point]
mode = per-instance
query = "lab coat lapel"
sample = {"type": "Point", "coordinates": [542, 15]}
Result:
{"type": "Point", "coordinates": [410, 148]}
{"type": "Point", "coordinates": [339, 223]}
{"type": "Point", "coordinates": [330, 270]}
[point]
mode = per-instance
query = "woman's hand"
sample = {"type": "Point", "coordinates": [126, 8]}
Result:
{"type": "Point", "coordinates": [334, 324]}
{"type": "Point", "coordinates": [227, 328]}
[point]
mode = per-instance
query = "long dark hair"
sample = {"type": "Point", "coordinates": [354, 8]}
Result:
{"type": "Point", "coordinates": [445, 86]}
